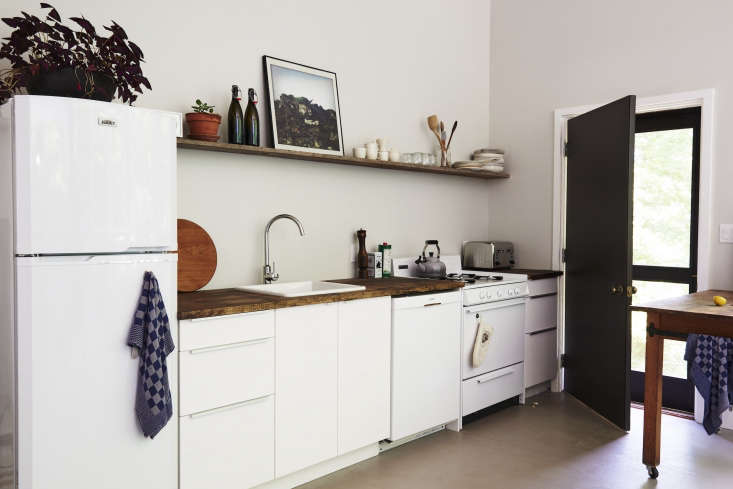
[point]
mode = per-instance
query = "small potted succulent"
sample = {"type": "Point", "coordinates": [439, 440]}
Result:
{"type": "Point", "coordinates": [203, 124]}
{"type": "Point", "coordinates": [49, 58]}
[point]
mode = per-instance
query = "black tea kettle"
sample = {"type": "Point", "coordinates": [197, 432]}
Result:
{"type": "Point", "coordinates": [430, 266]}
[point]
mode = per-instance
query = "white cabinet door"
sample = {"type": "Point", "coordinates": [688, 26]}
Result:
{"type": "Point", "coordinates": [305, 386]}
{"type": "Point", "coordinates": [364, 340]}
{"type": "Point", "coordinates": [228, 448]}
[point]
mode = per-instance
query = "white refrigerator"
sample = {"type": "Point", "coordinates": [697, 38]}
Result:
{"type": "Point", "coordinates": [88, 195]}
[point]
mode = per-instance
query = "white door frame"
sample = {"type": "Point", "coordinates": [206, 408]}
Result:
{"type": "Point", "coordinates": [698, 98]}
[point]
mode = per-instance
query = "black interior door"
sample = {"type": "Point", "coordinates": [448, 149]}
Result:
{"type": "Point", "coordinates": [598, 258]}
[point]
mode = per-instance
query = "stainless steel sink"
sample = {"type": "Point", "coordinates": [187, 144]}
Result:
{"type": "Point", "coordinates": [300, 289]}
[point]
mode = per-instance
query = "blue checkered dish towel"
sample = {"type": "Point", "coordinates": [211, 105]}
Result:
{"type": "Point", "coordinates": [709, 360]}
{"type": "Point", "coordinates": [150, 334]}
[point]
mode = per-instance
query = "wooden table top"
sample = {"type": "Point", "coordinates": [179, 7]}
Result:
{"type": "Point", "coordinates": [699, 304]}
{"type": "Point", "coordinates": [222, 302]}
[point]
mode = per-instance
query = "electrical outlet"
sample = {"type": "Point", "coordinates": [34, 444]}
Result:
{"type": "Point", "coordinates": [726, 233]}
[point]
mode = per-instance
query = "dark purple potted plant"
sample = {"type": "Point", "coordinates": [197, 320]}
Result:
{"type": "Point", "coordinates": [48, 58]}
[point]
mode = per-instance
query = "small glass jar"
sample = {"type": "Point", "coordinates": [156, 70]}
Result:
{"type": "Point", "coordinates": [417, 158]}
{"type": "Point", "coordinates": [406, 158]}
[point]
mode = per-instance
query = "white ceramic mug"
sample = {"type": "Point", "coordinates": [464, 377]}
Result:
{"type": "Point", "coordinates": [371, 153]}
{"type": "Point", "coordinates": [384, 155]}
{"type": "Point", "coordinates": [360, 152]}
{"type": "Point", "coordinates": [394, 155]}
{"type": "Point", "coordinates": [382, 144]}
{"type": "Point", "coordinates": [371, 145]}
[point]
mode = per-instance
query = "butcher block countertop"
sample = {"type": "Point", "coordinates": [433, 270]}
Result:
{"type": "Point", "coordinates": [221, 302]}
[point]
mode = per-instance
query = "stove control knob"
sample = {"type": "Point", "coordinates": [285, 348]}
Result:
{"type": "Point", "coordinates": [510, 292]}
{"type": "Point", "coordinates": [516, 291]}
{"type": "Point", "coordinates": [498, 293]}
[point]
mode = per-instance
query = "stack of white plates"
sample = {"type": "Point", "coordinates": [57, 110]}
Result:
{"type": "Point", "coordinates": [479, 165]}
{"type": "Point", "coordinates": [486, 159]}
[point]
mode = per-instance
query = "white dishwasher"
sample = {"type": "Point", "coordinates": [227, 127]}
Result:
{"type": "Point", "coordinates": [426, 371]}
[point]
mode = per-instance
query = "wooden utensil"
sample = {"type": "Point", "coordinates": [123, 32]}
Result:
{"type": "Point", "coordinates": [196, 256]}
{"type": "Point", "coordinates": [455, 124]}
{"type": "Point", "coordinates": [433, 125]}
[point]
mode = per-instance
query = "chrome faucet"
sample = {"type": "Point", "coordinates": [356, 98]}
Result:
{"type": "Point", "coordinates": [269, 274]}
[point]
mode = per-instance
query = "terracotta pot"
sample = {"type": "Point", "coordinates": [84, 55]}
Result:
{"type": "Point", "coordinates": [203, 126]}
{"type": "Point", "coordinates": [73, 82]}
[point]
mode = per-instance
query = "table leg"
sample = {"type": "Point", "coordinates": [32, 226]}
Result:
{"type": "Point", "coordinates": [653, 397]}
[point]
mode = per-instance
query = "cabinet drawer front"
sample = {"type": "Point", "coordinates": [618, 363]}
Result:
{"type": "Point", "coordinates": [224, 330]}
{"type": "Point", "coordinates": [223, 375]}
{"type": "Point", "coordinates": [541, 313]}
{"type": "Point", "coordinates": [540, 357]}
{"type": "Point", "coordinates": [488, 389]}
{"type": "Point", "coordinates": [231, 448]}
{"type": "Point", "coordinates": [544, 286]}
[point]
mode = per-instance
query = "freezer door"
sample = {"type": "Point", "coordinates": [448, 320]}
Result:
{"type": "Point", "coordinates": [93, 177]}
{"type": "Point", "coordinates": [76, 377]}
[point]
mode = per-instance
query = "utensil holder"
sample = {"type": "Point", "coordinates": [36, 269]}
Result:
{"type": "Point", "coordinates": [445, 158]}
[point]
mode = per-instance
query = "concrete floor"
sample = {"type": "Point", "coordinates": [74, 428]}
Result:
{"type": "Point", "coordinates": [557, 443]}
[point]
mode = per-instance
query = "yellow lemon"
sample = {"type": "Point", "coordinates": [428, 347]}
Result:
{"type": "Point", "coordinates": [719, 301]}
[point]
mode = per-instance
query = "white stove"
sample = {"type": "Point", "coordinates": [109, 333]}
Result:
{"type": "Point", "coordinates": [479, 287]}
{"type": "Point", "coordinates": [493, 314]}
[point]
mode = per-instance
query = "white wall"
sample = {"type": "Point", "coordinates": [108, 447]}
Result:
{"type": "Point", "coordinates": [548, 55]}
{"type": "Point", "coordinates": [396, 62]}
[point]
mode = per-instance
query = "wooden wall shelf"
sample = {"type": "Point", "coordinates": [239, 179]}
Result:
{"type": "Point", "coordinates": [339, 160]}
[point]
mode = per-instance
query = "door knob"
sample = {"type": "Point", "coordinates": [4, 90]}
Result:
{"type": "Point", "coordinates": [617, 289]}
{"type": "Point", "coordinates": [630, 290]}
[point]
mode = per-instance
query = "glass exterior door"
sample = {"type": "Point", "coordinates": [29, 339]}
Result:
{"type": "Point", "coordinates": [666, 183]}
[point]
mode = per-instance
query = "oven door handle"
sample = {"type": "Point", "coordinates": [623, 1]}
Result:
{"type": "Point", "coordinates": [495, 305]}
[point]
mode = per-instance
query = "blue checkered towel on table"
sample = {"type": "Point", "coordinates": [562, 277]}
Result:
{"type": "Point", "coordinates": [150, 334]}
{"type": "Point", "coordinates": [709, 360]}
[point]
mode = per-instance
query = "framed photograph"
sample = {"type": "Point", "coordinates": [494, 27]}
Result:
{"type": "Point", "coordinates": [304, 107]}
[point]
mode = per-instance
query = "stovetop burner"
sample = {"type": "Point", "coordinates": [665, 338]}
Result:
{"type": "Point", "coordinates": [471, 278]}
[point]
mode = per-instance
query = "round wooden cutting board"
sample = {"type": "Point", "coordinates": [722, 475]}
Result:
{"type": "Point", "coordinates": [196, 256]}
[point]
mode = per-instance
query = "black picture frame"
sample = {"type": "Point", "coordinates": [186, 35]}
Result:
{"type": "Point", "coordinates": [297, 122]}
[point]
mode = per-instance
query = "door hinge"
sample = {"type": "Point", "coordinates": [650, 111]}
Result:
{"type": "Point", "coordinates": [565, 149]}
{"type": "Point", "coordinates": [564, 255]}
{"type": "Point", "coordinates": [563, 360]}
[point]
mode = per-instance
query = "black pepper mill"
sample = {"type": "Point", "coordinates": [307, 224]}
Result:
{"type": "Point", "coordinates": [362, 259]}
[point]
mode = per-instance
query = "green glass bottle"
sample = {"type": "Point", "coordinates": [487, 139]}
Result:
{"type": "Point", "coordinates": [236, 118]}
{"type": "Point", "coordinates": [252, 120]}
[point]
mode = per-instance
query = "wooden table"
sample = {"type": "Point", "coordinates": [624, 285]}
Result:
{"type": "Point", "coordinates": [674, 319]}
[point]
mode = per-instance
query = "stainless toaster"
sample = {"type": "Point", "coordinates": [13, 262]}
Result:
{"type": "Point", "coordinates": [488, 254]}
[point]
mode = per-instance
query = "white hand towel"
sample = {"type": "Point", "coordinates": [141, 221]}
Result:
{"type": "Point", "coordinates": [481, 344]}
